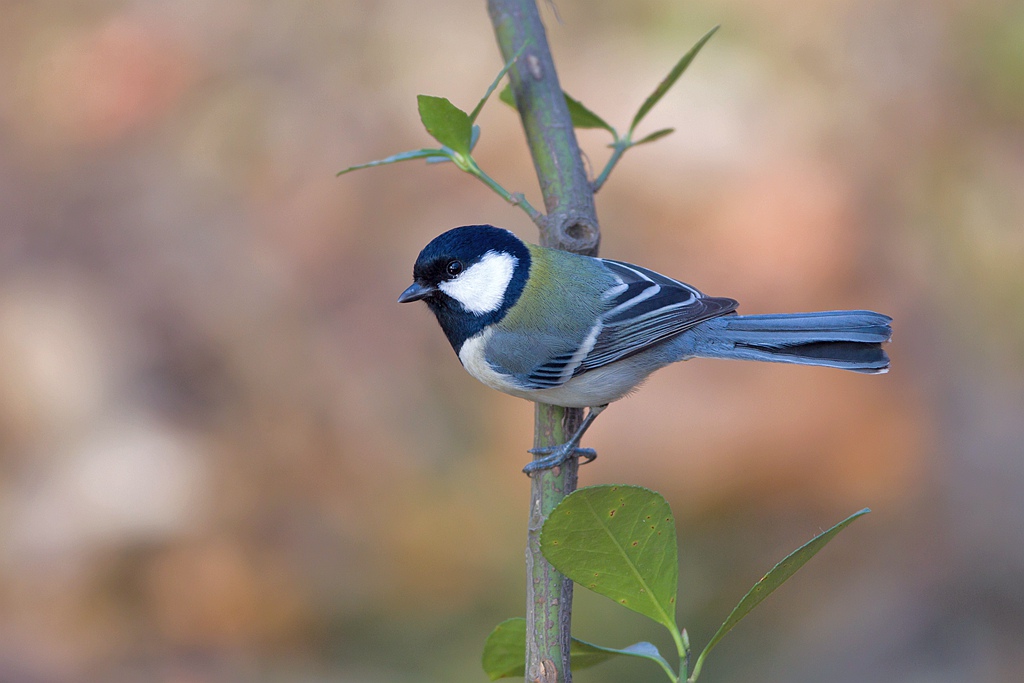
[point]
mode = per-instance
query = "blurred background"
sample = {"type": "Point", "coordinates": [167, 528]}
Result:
{"type": "Point", "coordinates": [227, 454]}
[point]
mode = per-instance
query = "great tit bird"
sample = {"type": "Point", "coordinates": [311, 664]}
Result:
{"type": "Point", "coordinates": [581, 332]}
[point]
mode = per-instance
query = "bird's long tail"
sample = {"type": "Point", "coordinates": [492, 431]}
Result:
{"type": "Point", "coordinates": [849, 340]}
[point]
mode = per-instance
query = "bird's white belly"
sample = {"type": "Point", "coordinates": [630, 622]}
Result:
{"type": "Point", "coordinates": [593, 388]}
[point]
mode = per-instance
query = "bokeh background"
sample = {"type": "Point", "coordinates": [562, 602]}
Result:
{"type": "Point", "coordinates": [227, 454]}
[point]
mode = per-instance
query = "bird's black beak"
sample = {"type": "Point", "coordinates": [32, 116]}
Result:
{"type": "Point", "coordinates": [415, 292]}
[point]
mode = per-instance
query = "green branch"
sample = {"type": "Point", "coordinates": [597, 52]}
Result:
{"type": "Point", "coordinates": [570, 224]}
{"type": "Point", "coordinates": [571, 221]}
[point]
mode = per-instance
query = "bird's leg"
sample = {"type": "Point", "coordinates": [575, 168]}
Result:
{"type": "Point", "coordinates": [556, 455]}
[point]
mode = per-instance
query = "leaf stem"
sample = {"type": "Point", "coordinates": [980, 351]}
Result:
{"type": "Point", "coordinates": [684, 667]}
{"type": "Point", "coordinates": [514, 198]}
{"type": "Point", "coordinates": [683, 650]}
{"type": "Point", "coordinates": [672, 675]}
{"type": "Point", "coordinates": [619, 148]}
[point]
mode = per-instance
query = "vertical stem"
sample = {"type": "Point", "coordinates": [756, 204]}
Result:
{"type": "Point", "coordinates": [548, 592]}
{"type": "Point", "coordinates": [570, 224]}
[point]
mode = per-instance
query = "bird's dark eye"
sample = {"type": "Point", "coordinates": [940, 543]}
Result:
{"type": "Point", "coordinates": [454, 268]}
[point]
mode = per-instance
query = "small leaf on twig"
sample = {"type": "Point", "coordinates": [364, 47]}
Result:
{"type": "Point", "coordinates": [448, 124]}
{"type": "Point", "coordinates": [449, 155]}
{"type": "Point", "coordinates": [506, 96]}
{"type": "Point", "coordinates": [656, 135]}
{"type": "Point", "coordinates": [505, 650]}
{"type": "Point", "coordinates": [581, 116]}
{"type": "Point", "coordinates": [772, 580]}
{"type": "Point", "coordinates": [670, 80]}
{"type": "Point", "coordinates": [427, 154]}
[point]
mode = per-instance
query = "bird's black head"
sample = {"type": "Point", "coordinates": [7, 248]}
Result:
{"type": "Point", "coordinates": [469, 277]}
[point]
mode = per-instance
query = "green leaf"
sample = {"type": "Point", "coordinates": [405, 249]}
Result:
{"type": "Point", "coordinates": [772, 580]}
{"type": "Point", "coordinates": [582, 117]}
{"type": "Point", "coordinates": [619, 541]}
{"type": "Point", "coordinates": [506, 96]}
{"type": "Point", "coordinates": [449, 155]}
{"type": "Point", "coordinates": [643, 650]}
{"type": "Point", "coordinates": [497, 79]}
{"type": "Point", "coordinates": [656, 135]}
{"type": "Point", "coordinates": [427, 154]}
{"type": "Point", "coordinates": [505, 651]}
{"type": "Point", "coordinates": [670, 80]}
{"type": "Point", "coordinates": [583, 654]}
{"type": "Point", "coordinates": [448, 124]}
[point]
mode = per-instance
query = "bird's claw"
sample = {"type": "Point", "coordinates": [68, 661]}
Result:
{"type": "Point", "coordinates": [556, 455]}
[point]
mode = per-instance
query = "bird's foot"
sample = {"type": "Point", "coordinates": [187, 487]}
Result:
{"type": "Point", "coordinates": [556, 455]}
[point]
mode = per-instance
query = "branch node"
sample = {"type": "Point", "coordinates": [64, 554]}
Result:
{"type": "Point", "coordinates": [572, 231]}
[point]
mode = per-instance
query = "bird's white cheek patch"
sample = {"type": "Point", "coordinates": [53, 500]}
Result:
{"type": "Point", "coordinates": [481, 287]}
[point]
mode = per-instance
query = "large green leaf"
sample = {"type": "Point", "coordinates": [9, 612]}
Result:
{"type": "Point", "coordinates": [772, 580]}
{"type": "Point", "coordinates": [619, 541]}
{"type": "Point", "coordinates": [670, 80]}
{"type": "Point", "coordinates": [505, 651]}
{"type": "Point", "coordinates": [448, 124]}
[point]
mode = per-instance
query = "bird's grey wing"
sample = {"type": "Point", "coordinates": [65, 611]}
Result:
{"type": "Point", "coordinates": [646, 308]}
{"type": "Point", "coordinates": [515, 353]}
{"type": "Point", "coordinates": [641, 309]}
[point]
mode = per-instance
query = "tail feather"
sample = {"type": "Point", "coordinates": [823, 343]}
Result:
{"type": "Point", "coordinates": [849, 340]}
